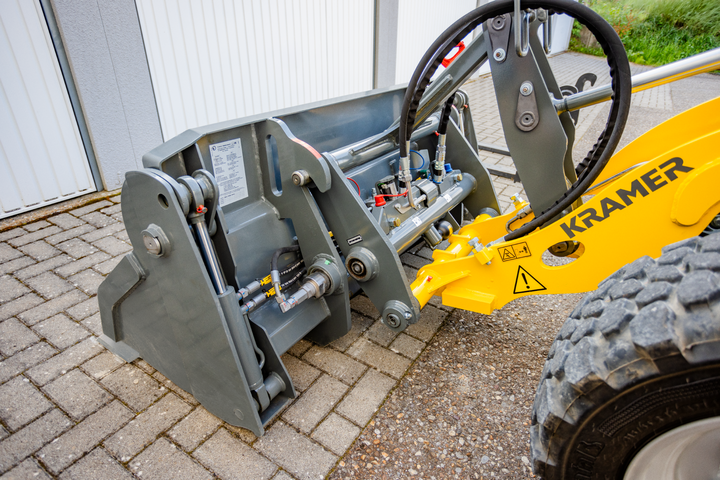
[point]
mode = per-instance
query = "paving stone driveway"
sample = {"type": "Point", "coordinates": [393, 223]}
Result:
{"type": "Point", "coordinates": [69, 408]}
{"type": "Point", "coordinates": [73, 410]}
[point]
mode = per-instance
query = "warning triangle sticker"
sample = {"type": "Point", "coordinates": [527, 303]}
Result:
{"type": "Point", "coordinates": [507, 254]}
{"type": "Point", "coordinates": [526, 283]}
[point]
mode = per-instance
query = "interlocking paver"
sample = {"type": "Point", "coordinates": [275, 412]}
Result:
{"type": "Point", "coordinates": [33, 237]}
{"type": "Point", "coordinates": [408, 346]}
{"type": "Point", "coordinates": [8, 253]}
{"type": "Point", "coordinates": [75, 393]}
{"type": "Point", "coordinates": [83, 437]}
{"type": "Point", "coordinates": [111, 210]}
{"type": "Point", "coordinates": [194, 428]}
{"type": "Point", "coordinates": [228, 456]}
{"type": "Point", "coordinates": [301, 373]}
{"type": "Point", "coordinates": [336, 433]}
{"type": "Point", "coordinates": [123, 234]}
{"type": "Point", "coordinates": [19, 305]}
{"type": "Point", "coordinates": [39, 250]}
{"type": "Point", "coordinates": [79, 212]}
{"type": "Point", "coordinates": [107, 266]}
{"type": "Point", "coordinates": [360, 323]}
{"type": "Point", "coordinates": [113, 246]}
{"type": "Point", "coordinates": [144, 366]}
{"type": "Point", "coordinates": [93, 324]}
{"type": "Point", "coordinates": [381, 334]}
{"type": "Point", "coordinates": [65, 361]}
{"type": "Point", "coordinates": [11, 289]}
{"type": "Point", "coordinates": [295, 453]}
{"type": "Point", "coordinates": [103, 232]}
{"type": "Point", "coordinates": [14, 336]}
{"type": "Point", "coordinates": [101, 365]}
{"type": "Point", "coordinates": [96, 465]}
{"type": "Point", "coordinates": [42, 267]}
{"type": "Point", "coordinates": [88, 281]}
{"type": "Point", "coordinates": [35, 226]}
{"type": "Point", "coordinates": [48, 309]}
{"type": "Point", "coordinates": [60, 331]}
{"type": "Point", "coordinates": [363, 401]}
{"type": "Point", "coordinates": [25, 359]}
{"type": "Point", "coordinates": [133, 386]}
{"type": "Point", "coordinates": [28, 440]}
{"type": "Point", "coordinates": [84, 309]}
{"type": "Point", "coordinates": [76, 248]}
{"type": "Point", "coordinates": [163, 460]}
{"type": "Point", "coordinates": [49, 285]}
{"type": "Point", "coordinates": [65, 221]}
{"type": "Point", "coordinates": [81, 264]}
{"type": "Point", "coordinates": [380, 358]}
{"type": "Point", "coordinates": [21, 402]}
{"type": "Point", "coordinates": [68, 234]}
{"type": "Point", "coordinates": [315, 403]}
{"type": "Point", "coordinates": [15, 232]}
{"type": "Point", "coordinates": [300, 347]}
{"type": "Point", "coordinates": [144, 428]}
{"type": "Point", "coordinates": [414, 260]}
{"type": "Point", "coordinates": [14, 265]}
{"type": "Point", "coordinates": [281, 475]}
{"type": "Point", "coordinates": [97, 219]}
{"type": "Point", "coordinates": [363, 305]}
{"type": "Point", "coordinates": [171, 386]}
{"type": "Point", "coordinates": [430, 320]}
{"type": "Point", "coordinates": [335, 363]}
{"type": "Point", "coordinates": [27, 469]}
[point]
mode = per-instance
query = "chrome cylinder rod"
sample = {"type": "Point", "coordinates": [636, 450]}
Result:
{"type": "Point", "coordinates": [211, 260]}
{"type": "Point", "coordinates": [700, 63]}
{"type": "Point", "coordinates": [403, 236]}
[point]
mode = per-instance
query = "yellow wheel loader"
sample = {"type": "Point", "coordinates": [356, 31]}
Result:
{"type": "Point", "coordinates": [252, 234]}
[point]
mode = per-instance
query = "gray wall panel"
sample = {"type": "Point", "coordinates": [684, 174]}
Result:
{"type": "Point", "coordinates": [104, 48]}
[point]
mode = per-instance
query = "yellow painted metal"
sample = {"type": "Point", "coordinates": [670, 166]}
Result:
{"type": "Point", "coordinates": [662, 192]}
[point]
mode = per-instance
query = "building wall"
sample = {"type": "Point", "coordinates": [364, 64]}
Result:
{"type": "Point", "coordinates": [107, 59]}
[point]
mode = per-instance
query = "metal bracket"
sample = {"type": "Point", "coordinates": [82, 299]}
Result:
{"type": "Point", "coordinates": [527, 116]}
{"type": "Point", "coordinates": [499, 32]}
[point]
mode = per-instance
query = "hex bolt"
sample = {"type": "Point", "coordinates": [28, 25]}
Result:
{"type": "Point", "coordinates": [527, 119]}
{"type": "Point", "coordinates": [392, 320]}
{"type": "Point", "coordinates": [498, 23]}
{"type": "Point", "coordinates": [408, 315]}
{"type": "Point", "coordinates": [300, 177]}
{"type": "Point", "coordinates": [499, 54]}
{"type": "Point", "coordinates": [152, 244]}
{"type": "Point", "coordinates": [526, 88]}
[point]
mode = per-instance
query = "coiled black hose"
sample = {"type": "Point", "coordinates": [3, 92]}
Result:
{"type": "Point", "coordinates": [600, 154]}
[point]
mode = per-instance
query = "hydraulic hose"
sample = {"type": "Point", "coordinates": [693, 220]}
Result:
{"type": "Point", "coordinates": [274, 274]}
{"type": "Point", "coordinates": [445, 117]}
{"type": "Point", "coordinates": [282, 251]}
{"type": "Point", "coordinates": [597, 158]}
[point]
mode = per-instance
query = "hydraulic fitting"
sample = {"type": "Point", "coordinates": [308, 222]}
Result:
{"type": "Point", "coordinates": [314, 285]}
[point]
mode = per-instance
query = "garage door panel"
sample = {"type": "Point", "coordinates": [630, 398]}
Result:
{"type": "Point", "coordinates": [43, 159]}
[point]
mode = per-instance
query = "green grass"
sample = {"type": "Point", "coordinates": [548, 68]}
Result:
{"type": "Point", "coordinates": [656, 32]}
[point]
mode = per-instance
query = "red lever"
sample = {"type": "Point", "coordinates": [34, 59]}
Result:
{"type": "Point", "coordinates": [448, 61]}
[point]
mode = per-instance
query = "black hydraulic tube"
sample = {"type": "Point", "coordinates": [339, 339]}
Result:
{"type": "Point", "coordinates": [445, 116]}
{"type": "Point", "coordinates": [598, 157]}
{"type": "Point", "coordinates": [281, 251]}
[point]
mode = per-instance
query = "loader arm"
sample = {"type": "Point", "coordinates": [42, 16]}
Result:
{"type": "Point", "coordinates": [660, 189]}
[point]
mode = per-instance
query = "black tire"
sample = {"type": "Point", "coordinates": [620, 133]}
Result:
{"type": "Point", "coordinates": [637, 358]}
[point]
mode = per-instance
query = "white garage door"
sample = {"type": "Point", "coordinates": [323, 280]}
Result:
{"type": "Point", "coordinates": [42, 159]}
{"type": "Point", "coordinates": [215, 60]}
